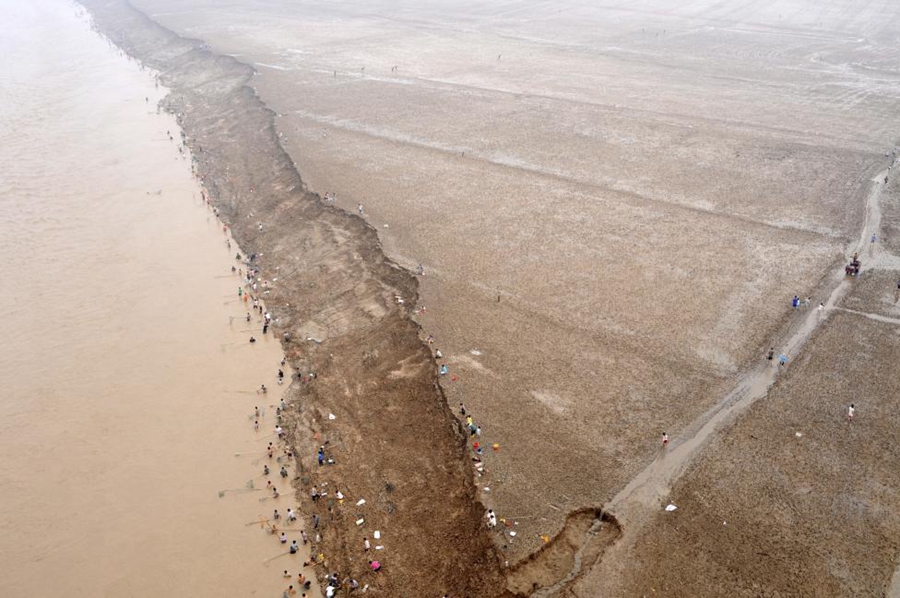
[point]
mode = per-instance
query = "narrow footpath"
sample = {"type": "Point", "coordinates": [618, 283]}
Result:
{"type": "Point", "coordinates": [634, 506]}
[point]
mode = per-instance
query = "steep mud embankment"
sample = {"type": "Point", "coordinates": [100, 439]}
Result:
{"type": "Point", "coordinates": [374, 401]}
{"type": "Point", "coordinates": [393, 439]}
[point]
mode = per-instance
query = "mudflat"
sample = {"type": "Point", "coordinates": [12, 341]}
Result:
{"type": "Point", "coordinates": [613, 207]}
{"type": "Point", "coordinates": [795, 497]}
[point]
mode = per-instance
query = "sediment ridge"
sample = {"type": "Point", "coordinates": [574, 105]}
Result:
{"type": "Point", "coordinates": [368, 388]}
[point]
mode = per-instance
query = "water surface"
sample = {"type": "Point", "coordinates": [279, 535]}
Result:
{"type": "Point", "coordinates": [126, 389]}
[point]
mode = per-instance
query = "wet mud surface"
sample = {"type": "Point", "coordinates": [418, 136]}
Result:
{"type": "Point", "coordinates": [393, 440]}
{"type": "Point", "coordinates": [621, 294]}
{"type": "Point", "coordinates": [793, 500]}
{"type": "Point", "coordinates": [642, 188]}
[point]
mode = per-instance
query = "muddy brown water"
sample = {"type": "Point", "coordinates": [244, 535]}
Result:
{"type": "Point", "coordinates": [127, 389]}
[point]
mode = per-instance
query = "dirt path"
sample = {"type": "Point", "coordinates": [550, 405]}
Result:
{"type": "Point", "coordinates": [653, 483]}
{"type": "Point", "coordinates": [635, 504]}
{"type": "Point", "coordinates": [894, 590]}
{"type": "Point", "coordinates": [875, 317]}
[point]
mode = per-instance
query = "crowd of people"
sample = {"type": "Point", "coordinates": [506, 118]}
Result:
{"type": "Point", "coordinates": [279, 456]}
{"type": "Point", "coordinates": [250, 292]}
